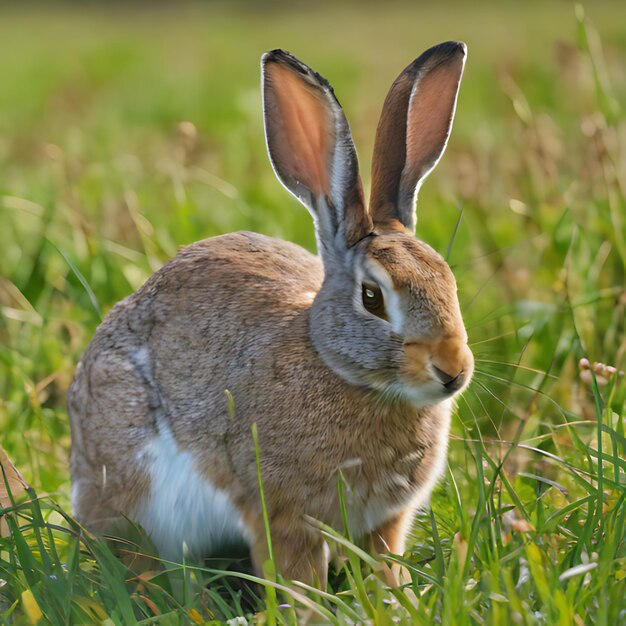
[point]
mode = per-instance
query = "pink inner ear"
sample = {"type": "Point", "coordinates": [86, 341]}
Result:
{"type": "Point", "coordinates": [389, 150]}
{"type": "Point", "coordinates": [430, 115]}
{"type": "Point", "coordinates": [300, 128]}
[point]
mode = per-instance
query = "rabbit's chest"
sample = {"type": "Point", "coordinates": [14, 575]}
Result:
{"type": "Point", "coordinates": [367, 510]}
{"type": "Point", "coordinates": [374, 492]}
{"type": "Point", "coordinates": [387, 478]}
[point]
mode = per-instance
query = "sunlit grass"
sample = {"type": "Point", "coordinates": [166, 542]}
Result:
{"type": "Point", "coordinates": [126, 134]}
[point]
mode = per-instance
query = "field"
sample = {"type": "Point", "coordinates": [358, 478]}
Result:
{"type": "Point", "coordinates": [128, 132]}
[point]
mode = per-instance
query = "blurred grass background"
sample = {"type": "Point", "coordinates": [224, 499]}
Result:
{"type": "Point", "coordinates": [128, 130]}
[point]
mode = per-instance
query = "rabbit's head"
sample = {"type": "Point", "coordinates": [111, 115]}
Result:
{"type": "Point", "coordinates": [387, 315]}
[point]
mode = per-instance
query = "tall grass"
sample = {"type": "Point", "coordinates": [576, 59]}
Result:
{"type": "Point", "coordinates": [126, 134]}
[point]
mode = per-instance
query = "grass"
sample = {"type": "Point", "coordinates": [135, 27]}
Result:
{"type": "Point", "coordinates": [126, 133]}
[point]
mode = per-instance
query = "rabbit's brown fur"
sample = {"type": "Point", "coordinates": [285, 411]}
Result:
{"type": "Point", "coordinates": [333, 389]}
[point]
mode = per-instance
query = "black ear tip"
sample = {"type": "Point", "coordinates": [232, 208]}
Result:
{"type": "Point", "coordinates": [276, 56]}
{"type": "Point", "coordinates": [454, 47]}
{"type": "Point", "coordinates": [460, 48]}
{"type": "Point", "coordinates": [445, 51]}
{"type": "Point", "coordinates": [282, 57]}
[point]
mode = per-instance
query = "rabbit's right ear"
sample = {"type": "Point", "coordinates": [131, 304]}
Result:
{"type": "Point", "coordinates": [311, 150]}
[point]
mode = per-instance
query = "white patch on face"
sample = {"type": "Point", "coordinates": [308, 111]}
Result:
{"type": "Point", "coordinates": [429, 393]}
{"type": "Point", "coordinates": [424, 394]}
{"type": "Point", "coordinates": [184, 508]}
{"type": "Point", "coordinates": [393, 307]}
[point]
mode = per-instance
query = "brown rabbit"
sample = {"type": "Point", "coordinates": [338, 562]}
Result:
{"type": "Point", "coordinates": [347, 362]}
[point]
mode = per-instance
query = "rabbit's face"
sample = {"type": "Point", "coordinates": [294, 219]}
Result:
{"type": "Point", "coordinates": [389, 319]}
{"type": "Point", "coordinates": [408, 287]}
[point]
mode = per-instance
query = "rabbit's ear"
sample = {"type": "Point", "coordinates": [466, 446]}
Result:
{"type": "Point", "coordinates": [311, 150]}
{"type": "Point", "coordinates": [413, 131]}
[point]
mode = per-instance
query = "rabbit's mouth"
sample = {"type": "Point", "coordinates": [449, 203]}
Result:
{"type": "Point", "coordinates": [426, 394]}
{"type": "Point", "coordinates": [433, 371]}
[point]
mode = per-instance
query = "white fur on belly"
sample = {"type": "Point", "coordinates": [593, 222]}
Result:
{"type": "Point", "coordinates": [184, 508]}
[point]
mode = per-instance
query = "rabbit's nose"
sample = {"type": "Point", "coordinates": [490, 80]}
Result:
{"type": "Point", "coordinates": [451, 383]}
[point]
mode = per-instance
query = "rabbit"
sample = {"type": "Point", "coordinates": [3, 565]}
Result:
{"type": "Point", "coordinates": [348, 362]}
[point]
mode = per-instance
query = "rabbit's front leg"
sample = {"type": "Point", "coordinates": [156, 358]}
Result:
{"type": "Point", "coordinates": [300, 553]}
{"type": "Point", "coordinates": [390, 537]}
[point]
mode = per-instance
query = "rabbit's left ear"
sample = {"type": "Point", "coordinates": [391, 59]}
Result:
{"type": "Point", "coordinates": [413, 131]}
{"type": "Point", "coordinates": [311, 150]}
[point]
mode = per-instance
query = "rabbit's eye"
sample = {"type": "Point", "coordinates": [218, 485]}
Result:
{"type": "Point", "coordinates": [373, 300]}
